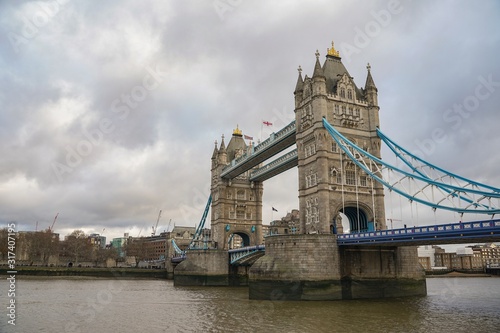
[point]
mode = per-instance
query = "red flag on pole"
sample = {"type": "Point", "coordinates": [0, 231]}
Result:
{"type": "Point", "coordinates": [248, 137]}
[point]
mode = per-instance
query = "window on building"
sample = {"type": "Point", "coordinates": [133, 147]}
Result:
{"type": "Point", "coordinates": [240, 214]}
{"type": "Point", "coordinates": [350, 177]}
{"type": "Point", "coordinates": [342, 92]}
{"type": "Point", "coordinates": [349, 94]}
{"type": "Point", "coordinates": [362, 181]}
{"type": "Point", "coordinates": [241, 194]}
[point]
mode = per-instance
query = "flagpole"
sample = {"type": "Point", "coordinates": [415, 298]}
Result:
{"type": "Point", "coordinates": [261, 125]}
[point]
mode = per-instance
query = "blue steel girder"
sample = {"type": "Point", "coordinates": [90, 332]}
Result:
{"type": "Point", "coordinates": [279, 165]}
{"type": "Point", "coordinates": [276, 143]}
{"type": "Point", "coordinates": [433, 193]}
{"type": "Point", "coordinates": [246, 255]}
{"type": "Point", "coordinates": [454, 233]}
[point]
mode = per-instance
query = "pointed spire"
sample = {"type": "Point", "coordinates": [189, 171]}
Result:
{"type": "Point", "coordinates": [222, 145]}
{"type": "Point", "coordinates": [300, 83]}
{"type": "Point", "coordinates": [318, 71]}
{"type": "Point", "coordinates": [216, 151]}
{"type": "Point", "coordinates": [369, 80]}
{"type": "Point", "coordinates": [222, 152]}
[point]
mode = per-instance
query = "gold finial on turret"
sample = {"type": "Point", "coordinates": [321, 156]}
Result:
{"type": "Point", "coordinates": [237, 131]}
{"type": "Point", "coordinates": [333, 52]}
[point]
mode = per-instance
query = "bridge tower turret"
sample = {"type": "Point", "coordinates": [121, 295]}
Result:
{"type": "Point", "coordinates": [236, 203]}
{"type": "Point", "coordinates": [328, 183]}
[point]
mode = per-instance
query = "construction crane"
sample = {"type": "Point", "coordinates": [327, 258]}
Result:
{"type": "Point", "coordinates": [51, 228]}
{"type": "Point", "coordinates": [156, 226]}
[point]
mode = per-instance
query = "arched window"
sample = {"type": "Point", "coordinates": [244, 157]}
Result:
{"type": "Point", "coordinates": [349, 94]}
{"type": "Point", "coordinates": [342, 92]}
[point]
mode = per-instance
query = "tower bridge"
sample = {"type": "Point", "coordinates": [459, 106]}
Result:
{"type": "Point", "coordinates": [338, 141]}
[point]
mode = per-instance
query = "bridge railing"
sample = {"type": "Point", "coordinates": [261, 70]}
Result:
{"type": "Point", "coordinates": [237, 254]}
{"type": "Point", "coordinates": [275, 137]}
{"type": "Point", "coordinates": [431, 229]}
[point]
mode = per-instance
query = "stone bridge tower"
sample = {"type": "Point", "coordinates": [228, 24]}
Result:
{"type": "Point", "coordinates": [236, 203]}
{"type": "Point", "coordinates": [328, 182]}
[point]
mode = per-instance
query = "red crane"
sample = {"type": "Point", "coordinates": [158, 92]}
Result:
{"type": "Point", "coordinates": [51, 228]}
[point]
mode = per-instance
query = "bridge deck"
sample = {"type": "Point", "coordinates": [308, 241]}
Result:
{"type": "Point", "coordinates": [275, 144]}
{"type": "Point", "coordinates": [454, 233]}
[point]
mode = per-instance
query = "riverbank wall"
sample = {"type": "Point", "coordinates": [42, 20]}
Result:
{"type": "Point", "coordinates": [86, 271]}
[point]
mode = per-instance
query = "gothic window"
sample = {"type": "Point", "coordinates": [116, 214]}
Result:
{"type": "Point", "coordinates": [350, 177]}
{"type": "Point", "coordinates": [343, 109]}
{"type": "Point", "coordinates": [337, 110]}
{"type": "Point", "coordinates": [311, 180]}
{"type": "Point", "coordinates": [339, 178]}
{"type": "Point", "coordinates": [342, 92]}
{"type": "Point", "coordinates": [310, 150]}
{"type": "Point", "coordinates": [349, 94]}
{"type": "Point", "coordinates": [349, 111]}
{"type": "Point", "coordinates": [362, 181]}
{"type": "Point", "coordinates": [335, 148]}
{"type": "Point", "coordinates": [240, 214]}
{"type": "Point", "coordinates": [356, 112]}
{"type": "Point", "coordinates": [308, 211]}
{"type": "Point", "coordinates": [241, 195]}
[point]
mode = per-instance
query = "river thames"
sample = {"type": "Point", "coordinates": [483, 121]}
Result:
{"type": "Point", "coordinates": [116, 305]}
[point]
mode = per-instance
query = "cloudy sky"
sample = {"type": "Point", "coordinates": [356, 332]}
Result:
{"type": "Point", "coordinates": [109, 109]}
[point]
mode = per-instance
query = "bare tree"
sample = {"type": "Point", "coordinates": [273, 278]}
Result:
{"type": "Point", "coordinates": [42, 245]}
{"type": "Point", "coordinates": [3, 243]}
{"type": "Point", "coordinates": [138, 248]}
{"type": "Point", "coordinates": [77, 246]}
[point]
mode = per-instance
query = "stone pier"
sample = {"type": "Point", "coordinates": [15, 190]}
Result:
{"type": "Point", "coordinates": [313, 267]}
{"type": "Point", "coordinates": [203, 268]}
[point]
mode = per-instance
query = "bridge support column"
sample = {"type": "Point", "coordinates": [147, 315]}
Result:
{"type": "Point", "coordinates": [297, 267]}
{"type": "Point", "coordinates": [313, 267]}
{"type": "Point", "coordinates": [203, 268]}
{"type": "Point", "coordinates": [381, 272]}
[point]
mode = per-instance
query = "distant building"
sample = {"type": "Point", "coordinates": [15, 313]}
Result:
{"type": "Point", "coordinates": [289, 224]}
{"type": "Point", "coordinates": [119, 244]}
{"type": "Point", "coordinates": [466, 258]}
{"type": "Point", "coordinates": [426, 256]}
{"type": "Point", "coordinates": [489, 254]}
{"type": "Point", "coordinates": [97, 241]}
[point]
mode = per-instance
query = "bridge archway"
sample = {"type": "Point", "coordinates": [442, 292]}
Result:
{"type": "Point", "coordinates": [238, 239]}
{"type": "Point", "coordinates": [358, 217]}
